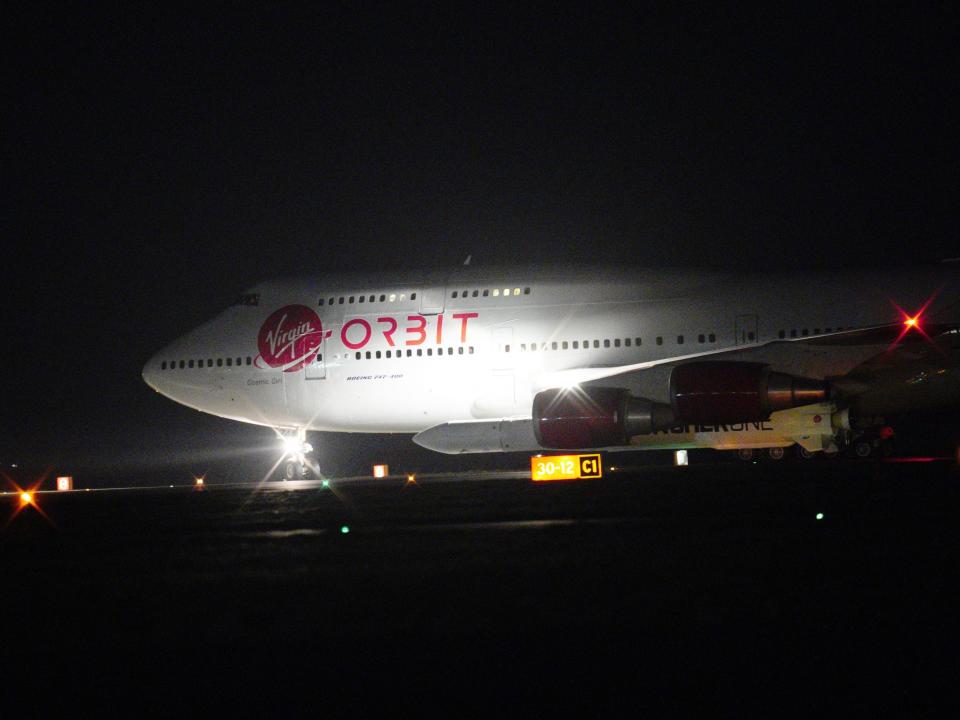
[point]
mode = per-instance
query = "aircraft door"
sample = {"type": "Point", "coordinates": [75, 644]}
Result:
{"type": "Point", "coordinates": [316, 369]}
{"type": "Point", "coordinates": [746, 329]}
{"type": "Point", "coordinates": [432, 299]}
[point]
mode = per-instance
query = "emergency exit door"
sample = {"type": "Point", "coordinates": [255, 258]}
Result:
{"type": "Point", "coordinates": [746, 329]}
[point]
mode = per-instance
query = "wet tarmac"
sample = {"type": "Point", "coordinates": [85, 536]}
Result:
{"type": "Point", "coordinates": [807, 587]}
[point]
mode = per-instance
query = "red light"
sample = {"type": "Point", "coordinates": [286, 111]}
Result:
{"type": "Point", "coordinates": [912, 322]}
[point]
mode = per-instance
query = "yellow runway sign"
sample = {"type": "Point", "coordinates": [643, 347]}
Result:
{"type": "Point", "coordinates": [565, 467]}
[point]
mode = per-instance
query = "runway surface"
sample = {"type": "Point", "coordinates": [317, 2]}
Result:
{"type": "Point", "coordinates": [818, 585]}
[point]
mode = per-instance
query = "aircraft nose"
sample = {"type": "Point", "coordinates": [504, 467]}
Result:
{"type": "Point", "coordinates": [150, 372]}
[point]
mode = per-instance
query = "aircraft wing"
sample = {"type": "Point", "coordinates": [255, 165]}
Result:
{"type": "Point", "coordinates": [881, 369]}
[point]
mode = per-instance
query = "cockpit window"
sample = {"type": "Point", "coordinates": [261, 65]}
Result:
{"type": "Point", "coordinates": [248, 299]}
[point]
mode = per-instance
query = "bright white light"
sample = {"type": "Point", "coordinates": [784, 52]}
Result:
{"type": "Point", "coordinates": [291, 445]}
{"type": "Point", "coordinates": [680, 458]}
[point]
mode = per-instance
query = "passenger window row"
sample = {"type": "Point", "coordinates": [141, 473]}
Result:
{"type": "Point", "coordinates": [419, 352]}
{"type": "Point", "coordinates": [495, 292]}
{"type": "Point", "coordinates": [606, 343]}
{"type": "Point", "coordinates": [368, 299]}
{"type": "Point", "coordinates": [805, 332]}
{"type": "Point", "coordinates": [205, 362]}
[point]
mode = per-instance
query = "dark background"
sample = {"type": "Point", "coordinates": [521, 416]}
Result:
{"type": "Point", "coordinates": [156, 162]}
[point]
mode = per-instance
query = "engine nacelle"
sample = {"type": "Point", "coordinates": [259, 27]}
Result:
{"type": "Point", "coordinates": [594, 417]}
{"type": "Point", "coordinates": [729, 392]}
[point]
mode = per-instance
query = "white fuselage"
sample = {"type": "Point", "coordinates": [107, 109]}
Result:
{"type": "Point", "coordinates": [404, 353]}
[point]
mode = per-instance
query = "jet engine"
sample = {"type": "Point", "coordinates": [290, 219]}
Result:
{"type": "Point", "coordinates": [700, 392]}
{"type": "Point", "coordinates": [729, 392]}
{"type": "Point", "coordinates": [595, 417]}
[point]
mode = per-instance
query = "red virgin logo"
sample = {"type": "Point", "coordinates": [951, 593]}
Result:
{"type": "Point", "coordinates": [290, 337]}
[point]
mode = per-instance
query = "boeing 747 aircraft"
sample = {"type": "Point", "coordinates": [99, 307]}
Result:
{"type": "Point", "coordinates": [527, 359]}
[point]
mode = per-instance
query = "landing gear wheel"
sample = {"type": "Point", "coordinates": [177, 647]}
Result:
{"type": "Point", "coordinates": [863, 449]}
{"type": "Point", "coordinates": [293, 470]}
{"type": "Point", "coordinates": [776, 453]}
{"type": "Point", "coordinates": [745, 454]}
{"type": "Point", "coordinates": [805, 454]}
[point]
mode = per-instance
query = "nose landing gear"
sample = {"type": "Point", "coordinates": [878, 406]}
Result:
{"type": "Point", "coordinates": [298, 463]}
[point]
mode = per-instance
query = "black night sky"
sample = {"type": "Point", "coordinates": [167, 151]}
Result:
{"type": "Point", "coordinates": [156, 162]}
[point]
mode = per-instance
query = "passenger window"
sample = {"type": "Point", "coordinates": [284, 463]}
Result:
{"type": "Point", "coordinates": [496, 292]}
{"type": "Point", "coordinates": [362, 298]}
{"type": "Point", "coordinates": [606, 343]}
{"type": "Point", "coordinates": [453, 294]}
{"type": "Point", "coordinates": [229, 362]}
{"type": "Point", "coordinates": [596, 343]}
{"type": "Point", "coordinates": [320, 302]}
{"type": "Point", "coordinates": [419, 352]}
{"type": "Point", "coordinates": [470, 350]}
{"type": "Point", "coordinates": [209, 362]}
{"type": "Point", "coordinates": [163, 365]}
{"type": "Point", "coordinates": [553, 345]}
{"type": "Point", "coordinates": [782, 334]}
{"type": "Point", "coordinates": [249, 361]}
{"type": "Point", "coordinates": [516, 291]}
{"type": "Point", "coordinates": [659, 340]}
{"type": "Point", "coordinates": [506, 292]}
{"type": "Point", "coordinates": [413, 296]}
{"type": "Point", "coordinates": [475, 293]}
{"type": "Point", "coordinates": [679, 339]}
{"type": "Point", "coordinates": [701, 338]}
{"type": "Point", "coordinates": [358, 355]}
{"type": "Point", "coordinates": [576, 344]}
{"type": "Point", "coordinates": [506, 348]}
{"type": "Point", "coordinates": [340, 301]}
{"type": "Point", "coordinates": [219, 362]}
{"type": "Point", "coordinates": [460, 350]}
{"type": "Point", "coordinates": [523, 347]}
{"type": "Point", "coordinates": [378, 355]}
{"type": "Point", "coordinates": [626, 342]}
{"type": "Point", "coordinates": [430, 352]}
{"type": "Point", "coordinates": [533, 347]}
{"type": "Point", "coordinates": [393, 297]}
{"type": "Point", "coordinates": [486, 293]}
{"type": "Point", "coordinates": [526, 291]}
{"type": "Point", "coordinates": [449, 351]}
{"type": "Point", "coordinates": [712, 338]}
{"type": "Point", "coordinates": [616, 342]}
{"type": "Point", "coordinates": [382, 298]}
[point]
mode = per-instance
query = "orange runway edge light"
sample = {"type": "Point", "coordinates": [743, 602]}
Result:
{"type": "Point", "coordinates": [565, 467]}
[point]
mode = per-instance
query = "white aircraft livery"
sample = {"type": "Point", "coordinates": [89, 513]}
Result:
{"type": "Point", "coordinates": [527, 359]}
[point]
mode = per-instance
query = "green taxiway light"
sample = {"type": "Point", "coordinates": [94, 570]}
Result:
{"type": "Point", "coordinates": [819, 516]}
{"type": "Point", "coordinates": [344, 529]}
{"type": "Point", "coordinates": [326, 483]}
